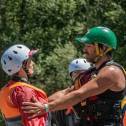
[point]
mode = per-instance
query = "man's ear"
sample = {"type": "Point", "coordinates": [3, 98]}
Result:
{"type": "Point", "coordinates": [105, 48]}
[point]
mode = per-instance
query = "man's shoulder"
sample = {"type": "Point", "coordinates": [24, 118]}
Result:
{"type": "Point", "coordinates": [112, 69]}
{"type": "Point", "coordinates": [113, 74]}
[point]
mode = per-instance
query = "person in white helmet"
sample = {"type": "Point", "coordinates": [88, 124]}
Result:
{"type": "Point", "coordinates": [17, 62]}
{"type": "Point", "coordinates": [75, 67]}
{"type": "Point", "coordinates": [69, 117]}
{"type": "Point", "coordinates": [78, 66]}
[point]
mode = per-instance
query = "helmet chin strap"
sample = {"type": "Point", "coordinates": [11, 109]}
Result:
{"type": "Point", "coordinates": [22, 74]}
{"type": "Point", "coordinates": [100, 52]}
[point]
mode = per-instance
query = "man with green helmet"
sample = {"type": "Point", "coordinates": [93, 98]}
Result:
{"type": "Point", "coordinates": [100, 36]}
{"type": "Point", "coordinates": [102, 92]}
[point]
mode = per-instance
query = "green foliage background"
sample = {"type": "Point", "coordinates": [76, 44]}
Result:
{"type": "Point", "coordinates": [51, 26]}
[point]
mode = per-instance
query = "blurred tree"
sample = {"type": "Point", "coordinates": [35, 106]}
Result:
{"type": "Point", "coordinates": [51, 26]}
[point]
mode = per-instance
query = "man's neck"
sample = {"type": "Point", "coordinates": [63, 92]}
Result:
{"type": "Point", "coordinates": [101, 61]}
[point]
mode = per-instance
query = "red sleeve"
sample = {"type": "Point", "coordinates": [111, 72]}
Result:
{"type": "Point", "coordinates": [21, 94]}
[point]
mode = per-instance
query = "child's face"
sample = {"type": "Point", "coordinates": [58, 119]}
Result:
{"type": "Point", "coordinates": [30, 67]}
{"type": "Point", "coordinates": [75, 74]}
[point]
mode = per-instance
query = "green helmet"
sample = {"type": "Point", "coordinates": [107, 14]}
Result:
{"type": "Point", "coordinates": [101, 35]}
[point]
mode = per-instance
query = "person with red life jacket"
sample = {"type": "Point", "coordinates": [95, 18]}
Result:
{"type": "Point", "coordinates": [17, 62]}
{"type": "Point", "coordinates": [104, 89]}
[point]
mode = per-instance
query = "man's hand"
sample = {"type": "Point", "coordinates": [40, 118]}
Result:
{"type": "Point", "coordinates": [33, 109]}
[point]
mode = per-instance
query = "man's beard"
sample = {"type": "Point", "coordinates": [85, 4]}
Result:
{"type": "Point", "coordinates": [91, 60]}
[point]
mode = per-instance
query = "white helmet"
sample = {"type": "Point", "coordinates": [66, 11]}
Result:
{"type": "Point", "coordinates": [13, 58]}
{"type": "Point", "coordinates": [79, 64]}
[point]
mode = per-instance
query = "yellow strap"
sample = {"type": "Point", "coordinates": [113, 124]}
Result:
{"type": "Point", "coordinates": [99, 51]}
{"type": "Point", "coordinates": [109, 49]}
{"type": "Point", "coordinates": [77, 86]}
{"type": "Point", "coordinates": [123, 103]}
{"type": "Point", "coordinates": [27, 85]}
{"type": "Point", "coordinates": [124, 71]}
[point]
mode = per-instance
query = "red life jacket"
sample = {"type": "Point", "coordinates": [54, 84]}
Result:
{"type": "Point", "coordinates": [8, 110]}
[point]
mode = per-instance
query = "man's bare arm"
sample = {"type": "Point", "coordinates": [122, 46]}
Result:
{"type": "Point", "coordinates": [60, 94]}
{"type": "Point", "coordinates": [108, 78]}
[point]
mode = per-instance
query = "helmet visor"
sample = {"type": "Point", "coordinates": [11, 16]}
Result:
{"type": "Point", "coordinates": [33, 52]}
{"type": "Point", "coordinates": [82, 40]}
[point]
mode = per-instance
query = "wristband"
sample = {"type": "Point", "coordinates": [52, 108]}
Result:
{"type": "Point", "coordinates": [46, 107]}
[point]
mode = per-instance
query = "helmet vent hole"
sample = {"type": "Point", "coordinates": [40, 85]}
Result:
{"type": "Point", "coordinates": [15, 52]}
{"type": "Point", "coordinates": [84, 61]}
{"type": "Point", "coordinates": [9, 58]}
{"type": "Point", "coordinates": [19, 47]}
{"type": "Point", "coordinates": [9, 70]}
{"type": "Point", "coordinates": [4, 62]}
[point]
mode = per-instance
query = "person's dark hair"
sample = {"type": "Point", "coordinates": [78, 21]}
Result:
{"type": "Point", "coordinates": [109, 53]}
